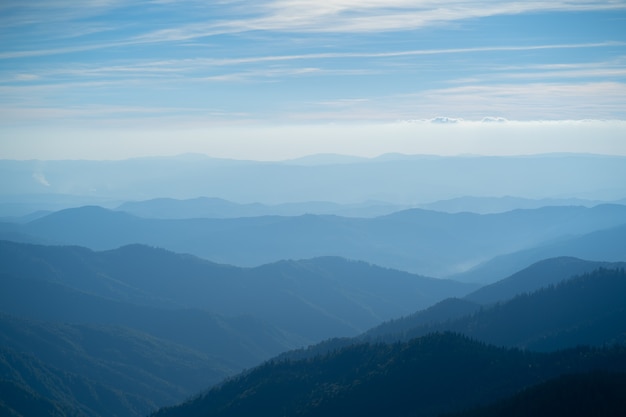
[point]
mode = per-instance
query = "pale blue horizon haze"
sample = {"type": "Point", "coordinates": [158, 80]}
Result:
{"type": "Point", "coordinates": [278, 79]}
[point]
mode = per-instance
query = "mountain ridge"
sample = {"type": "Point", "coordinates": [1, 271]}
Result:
{"type": "Point", "coordinates": [395, 179]}
{"type": "Point", "coordinates": [416, 240]}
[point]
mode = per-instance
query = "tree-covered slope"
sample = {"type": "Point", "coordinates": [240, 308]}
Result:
{"type": "Point", "coordinates": [422, 377]}
{"type": "Point", "coordinates": [156, 370]}
{"type": "Point", "coordinates": [18, 400]}
{"type": "Point", "coordinates": [598, 394]}
{"type": "Point", "coordinates": [584, 310]}
{"type": "Point", "coordinates": [589, 309]}
{"type": "Point", "coordinates": [31, 386]}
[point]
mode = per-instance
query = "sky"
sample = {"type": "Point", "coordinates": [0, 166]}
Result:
{"type": "Point", "coordinates": [278, 79]}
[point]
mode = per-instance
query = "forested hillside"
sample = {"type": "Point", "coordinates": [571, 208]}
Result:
{"type": "Point", "coordinates": [424, 376]}
{"type": "Point", "coordinates": [599, 394]}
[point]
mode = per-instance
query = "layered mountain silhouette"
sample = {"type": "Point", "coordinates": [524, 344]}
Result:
{"type": "Point", "coordinates": [605, 244]}
{"type": "Point", "coordinates": [419, 241]}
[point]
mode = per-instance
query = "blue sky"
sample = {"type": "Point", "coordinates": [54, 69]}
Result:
{"type": "Point", "coordinates": [279, 79]}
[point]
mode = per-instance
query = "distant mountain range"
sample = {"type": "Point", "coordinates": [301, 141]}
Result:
{"type": "Point", "coordinates": [23, 208]}
{"type": "Point", "coordinates": [541, 274]}
{"type": "Point", "coordinates": [205, 207]}
{"type": "Point", "coordinates": [419, 241]}
{"type": "Point", "coordinates": [605, 244]}
{"type": "Point", "coordinates": [395, 179]}
{"type": "Point", "coordinates": [490, 205]}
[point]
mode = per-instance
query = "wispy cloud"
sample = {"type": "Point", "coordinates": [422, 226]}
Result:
{"type": "Point", "coordinates": [196, 62]}
{"type": "Point", "coordinates": [535, 101]}
{"type": "Point", "coordinates": [345, 16]}
{"type": "Point", "coordinates": [169, 67]}
{"type": "Point", "coordinates": [61, 19]}
{"type": "Point", "coordinates": [481, 103]}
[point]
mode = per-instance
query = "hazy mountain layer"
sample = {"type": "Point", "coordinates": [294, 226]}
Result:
{"type": "Point", "coordinates": [420, 241]}
{"type": "Point", "coordinates": [397, 179]}
{"type": "Point", "coordinates": [312, 299]}
{"type": "Point", "coordinates": [490, 205]}
{"type": "Point", "coordinates": [541, 274]}
{"type": "Point", "coordinates": [602, 245]}
{"type": "Point", "coordinates": [204, 207]}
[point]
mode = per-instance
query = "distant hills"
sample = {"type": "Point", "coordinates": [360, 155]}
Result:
{"type": "Point", "coordinates": [541, 274]}
{"type": "Point", "coordinates": [490, 205]}
{"type": "Point", "coordinates": [395, 179]}
{"type": "Point", "coordinates": [205, 207]}
{"type": "Point", "coordinates": [605, 244]}
{"type": "Point", "coordinates": [420, 241]}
